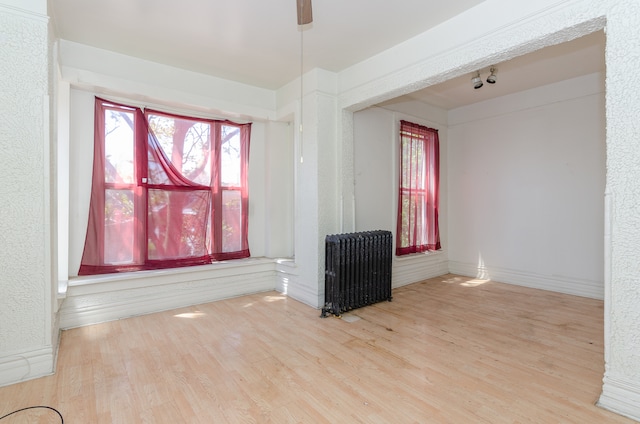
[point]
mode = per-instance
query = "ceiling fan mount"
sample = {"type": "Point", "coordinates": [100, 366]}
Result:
{"type": "Point", "coordinates": [305, 15]}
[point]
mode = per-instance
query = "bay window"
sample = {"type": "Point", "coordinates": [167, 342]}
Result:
{"type": "Point", "coordinates": [167, 191]}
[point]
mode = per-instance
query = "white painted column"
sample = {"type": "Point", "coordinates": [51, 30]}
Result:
{"type": "Point", "coordinates": [621, 388]}
{"type": "Point", "coordinates": [317, 186]}
{"type": "Point", "coordinates": [27, 324]}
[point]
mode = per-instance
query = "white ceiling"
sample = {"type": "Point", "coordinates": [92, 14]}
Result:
{"type": "Point", "coordinates": [258, 42]}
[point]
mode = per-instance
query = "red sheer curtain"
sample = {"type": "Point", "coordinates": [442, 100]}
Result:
{"type": "Point", "coordinates": [157, 197]}
{"type": "Point", "coordinates": [179, 187]}
{"type": "Point", "coordinates": [418, 200]}
{"type": "Point", "coordinates": [231, 199]}
{"type": "Point", "coordinates": [117, 207]}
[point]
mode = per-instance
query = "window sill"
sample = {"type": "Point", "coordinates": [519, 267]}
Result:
{"type": "Point", "coordinates": [107, 297]}
{"type": "Point", "coordinates": [415, 256]}
{"type": "Point", "coordinates": [131, 280]}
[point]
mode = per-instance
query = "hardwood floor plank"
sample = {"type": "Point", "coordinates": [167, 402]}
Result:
{"type": "Point", "coordinates": [447, 350]}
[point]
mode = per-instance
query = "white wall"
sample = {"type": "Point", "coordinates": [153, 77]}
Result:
{"type": "Point", "coordinates": [278, 189]}
{"type": "Point", "coordinates": [621, 388]}
{"type": "Point", "coordinates": [112, 73]}
{"type": "Point", "coordinates": [79, 172]}
{"type": "Point", "coordinates": [376, 162]}
{"type": "Point", "coordinates": [526, 188]}
{"type": "Point", "coordinates": [376, 169]}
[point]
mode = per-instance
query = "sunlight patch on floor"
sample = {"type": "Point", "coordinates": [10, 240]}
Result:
{"type": "Point", "coordinates": [274, 298]}
{"type": "Point", "coordinates": [190, 315]}
{"type": "Point", "coordinates": [474, 283]}
{"type": "Point", "coordinates": [350, 317]}
{"type": "Point", "coordinates": [467, 281]}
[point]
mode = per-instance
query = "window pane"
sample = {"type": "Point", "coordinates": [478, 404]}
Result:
{"type": "Point", "coordinates": [414, 223]}
{"type": "Point", "coordinates": [187, 145]}
{"type": "Point", "coordinates": [230, 156]}
{"type": "Point", "coordinates": [118, 146]}
{"type": "Point", "coordinates": [163, 128]}
{"type": "Point", "coordinates": [231, 221]}
{"type": "Point", "coordinates": [407, 166]}
{"type": "Point", "coordinates": [197, 154]}
{"type": "Point", "coordinates": [119, 227]}
{"type": "Point", "coordinates": [417, 164]}
{"type": "Point", "coordinates": [178, 224]}
{"type": "Point", "coordinates": [403, 237]}
{"type": "Point", "coordinates": [155, 171]}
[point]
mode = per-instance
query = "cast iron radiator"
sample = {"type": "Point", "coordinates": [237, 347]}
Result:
{"type": "Point", "coordinates": [357, 270]}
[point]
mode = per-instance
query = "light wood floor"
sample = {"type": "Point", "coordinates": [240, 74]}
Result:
{"type": "Point", "coordinates": [448, 350]}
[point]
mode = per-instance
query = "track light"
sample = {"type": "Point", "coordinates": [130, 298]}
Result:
{"type": "Point", "coordinates": [476, 81]}
{"type": "Point", "coordinates": [492, 78]}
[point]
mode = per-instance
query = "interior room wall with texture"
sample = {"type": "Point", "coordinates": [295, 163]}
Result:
{"type": "Point", "coordinates": [27, 318]}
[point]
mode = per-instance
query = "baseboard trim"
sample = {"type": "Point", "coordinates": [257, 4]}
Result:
{"type": "Point", "coordinates": [620, 396]}
{"type": "Point", "coordinates": [308, 295]}
{"type": "Point", "coordinates": [561, 284]}
{"type": "Point", "coordinates": [112, 298]}
{"type": "Point", "coordinates": [415, 268]}
{"type": "Point", "coordinates": [16, 367]}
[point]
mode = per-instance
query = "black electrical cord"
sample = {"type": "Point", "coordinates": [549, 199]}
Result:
{"type": "Point", "coordinates": [35, 407]}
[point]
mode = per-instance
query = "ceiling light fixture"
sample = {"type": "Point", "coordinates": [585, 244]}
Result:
{"type": "Point", "coordinates": [476, 81]}
{"type": "Point", "coordinates": [492, 78]}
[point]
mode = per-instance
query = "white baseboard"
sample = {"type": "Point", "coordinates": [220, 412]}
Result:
{"type": "Point", "coordinates": [561, 284]}
{"type": "Point", "coordinates": [288, 283]}
{"type": "Point", "coordinates": [414, 268]}
{"type": "Point", "coordinates": [16, 367]}
{"type": "Point", "coordinates": [108, 298]}
{"type": "Point", "coordinates": [305, 294]}
{"type": "Point", "coordinates": [621, 396]}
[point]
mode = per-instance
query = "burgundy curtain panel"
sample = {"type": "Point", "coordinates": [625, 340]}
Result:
{"type": "Point", "coordinates": [418, 200]}
{"type": "Point", "coordinates": [159, 187]}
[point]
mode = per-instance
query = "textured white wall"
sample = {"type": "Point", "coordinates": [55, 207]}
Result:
{"type": "Point", "coordinates": [26, 320]}
{"type": "Point", "coordinates": [316, 203]}
{"type": "Point", "coordinates": [32, 6]}
{"type": "Point", "coordinates": [526, 188]}
{"type": "Point", "coordinates": [622, 232]}
{"type": "Point", "coordinates": [317, 180]}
